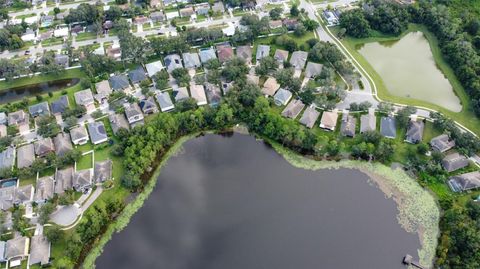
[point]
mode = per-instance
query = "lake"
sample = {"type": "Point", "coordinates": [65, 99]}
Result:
{"type": "Point", "coordinates": [234, 202]}
{"type": "Point", "coordinates": [408, 69]}
{"type": "Point", "coordinates": [18, 93]}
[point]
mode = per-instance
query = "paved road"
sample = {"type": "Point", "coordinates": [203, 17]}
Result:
{"type": "Point", "coordinates": [47, 9]}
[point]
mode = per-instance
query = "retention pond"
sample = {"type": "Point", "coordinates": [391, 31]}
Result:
{"type": "Point", "coordinates": [18, 93]}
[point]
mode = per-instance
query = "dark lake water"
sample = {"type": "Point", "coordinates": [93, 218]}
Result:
{"type": "Point", "coordinates": [18, 93]}
{"type": "Point", "coordinates": [234, 203]}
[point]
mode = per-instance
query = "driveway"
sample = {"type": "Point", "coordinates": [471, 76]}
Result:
{"type": "Point", "coordinates": [65, 215]}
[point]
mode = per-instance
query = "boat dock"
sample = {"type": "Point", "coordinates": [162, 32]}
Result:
{"type": "Point", "coordinates": [408, 260]}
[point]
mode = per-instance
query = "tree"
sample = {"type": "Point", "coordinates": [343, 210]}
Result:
{"type": "Point", "coordinates": [267, 65]}
{"type": "Point", "coordinates": [299, 30]}
{"type": "Point", "coordinates": [161, 80]}
{"type": "Point", "coordinates": [385, 107]}
{"type": "Point", "coordinates": [294, 10]}
{"type": "Point", "coordinates": [83, 13]}
{"type": "Point", "coordinates": [133, 48]}
{"type": "Point", "coordinates": [54, 233]}
{"type": "Point", "coordinates": [235, 70]}
{"type": "Point", "coordinates": [44, 212]}
{"type": "Point", "coordinates": [307, 96]}
{"type": "Point", "coordinates": [181, 76]}
{"type": "Point", "coordinates": [473, 27]}
{"type": "Point", "coordinates": [403, 115]}
{"type": "Point", "coordinates": [355, 23]}
{"type": "Point", "coordinates": [310, 24]}
{"type": "Point", "coordinates": [276, 13]}
{"type": "Point", "coordinates": [113, 13]}
{"type": "Point", "coordinates": [47, 126]}
{"type": "Point", "coordinates": [187, 104]}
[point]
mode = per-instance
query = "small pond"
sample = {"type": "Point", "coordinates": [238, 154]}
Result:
{"type": "Point", "coordinates": [233, 202]}
{"type": "Point", "coordinates": [18, 93]}
{"type": "Point", "coordinates": [408, 69]}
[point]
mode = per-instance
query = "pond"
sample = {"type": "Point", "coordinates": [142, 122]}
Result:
{"type": "Point", "coordinates": [18, 93]}
{"type": "Point", "coordinates": [234, 202]}
{"type": "Point", "coordinates": [408, 69]}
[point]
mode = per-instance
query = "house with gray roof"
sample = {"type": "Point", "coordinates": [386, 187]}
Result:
{"type": "Point", "coordinates": [180, 94]}
{"type": "Point", "coordinates": [454, 161]}
{"type": "Point", "coordinates": [7, 158]}
{"type": "Point", "coordinates": [214, 94]}
{"type": "Point", "coordinates": [62, 144]}
{"type": "Point", "coordinates": [349, 123]}
{"type": "Point", "coordinates": [39, 251]}
{"type": "Point", "coordinates": [148, 106]}
{"type": "Point", "coordinates": [133, 114]}
{"type": "Point", "coordinates": [25, 156]}
{"type": "Point", "coordinates": [102, 171]}
{"type": "Point", "coordinates": [293, 109]}
{"type": "Point", "coordinates": [85, 98]}
{"type": "Point", "coordinates": [298, 59]}
{"type": "Point", "coordinates": [60, 105]}
{"type": "Point", "coordinates": [44, 189]}
{"type": "Point", "coordinates": [309, 117]}
{"type": "Point", "coordinates": [245, 53]}
{"type": "Point", "coordinates": [40, 109]}
{"type": "Point", "coordinates": [82, 180]}
{"type": "Point", "coordinates": [153, 68]}
{"type": "Point", "coordinates": [118, 121]}
{"type": "Point", "coordinates": [165, 102]}
{"type": "Point", "coordinates": [137, 75]}
{"type": "Point", "coordinates": [3, 130]}
{"type": "Point", "coordinates": [368, 122]}
{"type": "Point", "coordinates": [282, 97]}
{"type": "Point", "coordinates": [313, 70]}
{"type": "Point", "coordinates": [388, 127]}
{"type": "Point", "coordinates": [415, 132]}
{"type": "Point", "coordinates": [254, 79]}
{"type": "Point", "coordinates": [157, 16]}
{"type": "Point", "coordinates": [442, 143]}
{"type": "Point", "coordinates": [207, 55]}
{"type": "Point", "coordinates": [97, 132]}
{"type": "Point", "coordinates": [7, 197]}
{"type": "Point", "coordinates": [262, 52]}
{"type": "Point", "coordinates": [79, 135]}
{"type": "Point", "coordinates": [23, 195]}
{"type": "Point", "coordinates": [191, 60]}
{"type": "Point", "coordinates": [202, 8]}
{"type": "Point", "coordinates": [281, 56]}
{"type": "Point", "coordinates": [465, 182]}
{"type": "Point", "coordinates": [3, 247]}
{"type": "Point", "coordinates": [172, 62]}
{"type": "Point", "coordinates": [17, 248]}
{"type": "Point", "coordinates": [63, 180]}
{"type": "Point", "coordinates": [103, 91]}
{"type": "Point", "coordinates": [270, 86]}
{"type": "Point", "coordinates": [218, 7]}
{"type": "Point", "coordinates": [18, 118]}
{"type": "Point", "coordinates": [119, 83]}
{"type": "Point", "coordinates": [329, 120]}
{"type": "Point", "coordinates": [3, 118]}
{"type": "Point", "coordinates": [62, 60]}
{"type": "Point", "coordinates": [43, 147]}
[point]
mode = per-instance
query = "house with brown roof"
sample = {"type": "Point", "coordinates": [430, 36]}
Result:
{"type": "Point", "coordinates": [62, 144]}
{"type": "Point", "coordinates": [368, 122]}
{"type": "Point", "coordinates": [79, 135]}
{"type": "Point", "coordinates": [274, 24]}
{"type": "Point", "coordinates": [43, 147]}
{"type": "Point", "coordinates": [293, 109]}
{"type": "Point", "coordinates": [415, 132]}
{"type": "Point", "coordinates": [270, 86]}
{"type": "Point", "coordinates": [63, 180]}
{"type": "Point", "coordinates": [329, 120]}
{"type": "Point", "coordinates": [102, 171]}
{"type": "Point", "coordinates": [442, 143]}
{"type": "Point", "coordinates": [186, 12]}
{"type": "Point", "coordinates": [82, 180]}
{"type": "Point", "coordinates": [44, 189]}
{"type": "Point", "coordinates": [281, 56]}
{"type": "Point", "coordinates": [348, 125]}
{"type": "Point", "coordinates": [25, 156]}
{"type": "Point", "coordinates": [309, 117]}
{"type": "Point", "coordinates": [225, 53]}
{"type": "Point", "coordinates": [245, 53]}
{"type": "Point", "coordinates": [103, 91]}
{"type": "Point", "coordinates": [198, 93]}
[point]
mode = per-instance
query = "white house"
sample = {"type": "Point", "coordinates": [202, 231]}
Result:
{"type": "Point", "coordinates": [29, 35]}
{"type": "Point", "coordinates": [61, 32]}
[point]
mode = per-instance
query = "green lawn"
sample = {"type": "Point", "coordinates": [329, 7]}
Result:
{"type": "Point", "coordinates": [273, 47]}
{"type": "Point", "coordinates": [465, 117]}
{"type": "Point", "coordinates": [85, 162]}
{"type": "Point", "coordinates": [86, 36]}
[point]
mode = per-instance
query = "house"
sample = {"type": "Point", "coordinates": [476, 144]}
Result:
{"type": "Point", "coordinates": [415, 132]}
{"type": "Point", "coordinates": [40, 109]}
{"type": "Point", "coordinates": [7, 196]}
{"type": "Point", "coordinates": [281, 56]}
{"type": "Point", "coordinates": [172, 62]}
{"type": "Point", "coordinates": [157, 16]}
{"type": "Point", "coordinates": [202, 9]}
{"type": "Point", "coordinates": [465, 182]}
{"type": "Point", "coordinates": [61, 60]}
{"type": "Point", "coordinates": [102, 171]}
{"type": "Point", "coordinates": [3, 130]}
{"type": "Point", "coordinates": [270, 86]}
{"type": "Point", "coordinates": [165, 102]}
{"type": "Point", "coordinates": [229, 31]}
{"type": "Point", "coordinates": [107, 25]}
{"type": "Point", "coordinates": [186, 12]}
{"type": "Point", "coordinates": [214, 94]}
{"type": "Point", "coordinates": [198, 93]}
{"type": "Point", "coordinates": [191, 60]}
{"type": "Point", "coordinates": [368, 122]}
{"type": "Point", "coordinates": [282, 97]}
{"type": "Point", "coordinates": [137, 75]}
{"type": "Point", "coordinates": [82, 180]}
{"type": "Point", "coordinates": [28, 36]}
{"type": "Point", "coordinates": [62, 144]}
{"type": "Point", "coordinates": [454, 161]}
{"type": "Point", "coordinates": [17, 248]}
{"type": "Point", "coordinates": [153, 68]}
{"type": "Point", "coordinates": [329, 120]}
{"type": "Point", "coordinates": [442, 143]}
{"type": "Point", "coordinates": [3, 118]}
{"type": "Point", "coordinates": [60, 105]}
{"type": "Point", "coordinates": [245, 53]}
{"type": "Point", "coordinates": [388, 127]}
{"type": "Point", "coordinates": [46, 21]}
{"type": "Point", "coordinates": [298, 59]}
{"type": "Point", "coordinates": [23, 195]}
{"type": "Point", "coordinates": [114, 52]}
{"type": "Point", "coordinates": [79, 135]}
{"type": "Point", "coordinates": [43, 147]}
{"type": "Point", "coordinates": [39, 250]}
{"type": "Point", "coordinates": [225, 53]}
{"type": "Point", "coordinates": [60, 32]}
{"type": "Point", "coordinates": [180, 94]}
{"type": "Point", "coordinates": [119, 83]}
{"type": "Point", "coordinates": [44, 189]}
{"type": "Point", "coordinates": [348, 126]}
{"type": "Point", "coordinates": [18, 118]}
{"type": "Point", "coordinates": [330, 17]}
{"type": "Point", "coordinates": [103, 91]}
{"type": "Point", "coordinates": [275, 24]}
{"type": "Point", "coordinates": [97, 132]}
{"type": "Point", "coordinates": [207, 55]}
{"type": "Point", "coordinates": [148, 106]}
{"type": "Point", "coordinates": [293, 109]}
{"type": "Point", "coordinates": [25, 156]}
{"type": "Point", "coordinates": [218, 7]}
{"type": "Point", "coordinates": [7, 158]}
{"type": "Point", "coordinates": [85, 98]}
{"type": "Point", "coordinates": [155, 4]}
{"type": "Point", "coordinates": [309, 117]}
{"type": "Point", "coordinates": [313, 70]}
{"type": "Point", "coordinates": [141, 20]}
{"type": "Point", "coordinates": [172, 15]}
{"type": "Point", "coordinates": [290, 24]}
{"type": "Point", "coordinates": [45, 35]}
{"type": "Point", "coordinates": [133, 114]}
{"type": "Point", "coordinates": [63, 180]}
{"type": "Point", "coordinates": [262, 52]}
{"type": "Point", "coordinates": [254, 79]}
{"type": "Point", "coordinates": [226, 86]}
{"type": "Point", "coordinates": [118, 121]}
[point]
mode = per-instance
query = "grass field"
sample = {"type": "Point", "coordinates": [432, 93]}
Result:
{"type": "Point", "coordinates": [465, 117]}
